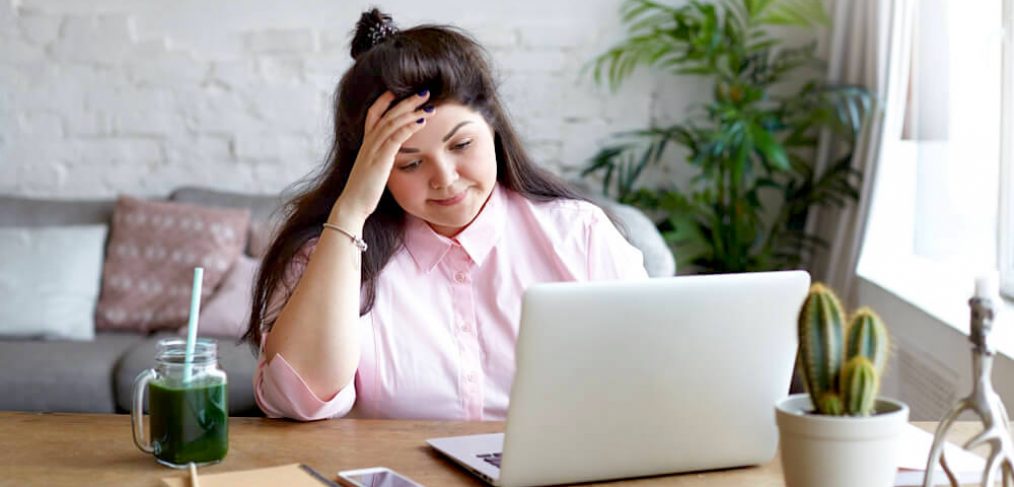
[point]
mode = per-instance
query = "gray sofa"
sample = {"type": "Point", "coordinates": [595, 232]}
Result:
{"type": "Point", "coordinates": [97, 376]}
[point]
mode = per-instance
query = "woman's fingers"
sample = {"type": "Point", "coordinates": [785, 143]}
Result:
{"type": "Point", "coordinates": [377, 110]}
{"type": "Point", "coordinates": [376, 115]}
{"type": "Point", "coordinates": [389, 125]}
{"type": "Point", "coordinates": [397, 136]}
{"type": "Point", "coordinates": [380, 138]}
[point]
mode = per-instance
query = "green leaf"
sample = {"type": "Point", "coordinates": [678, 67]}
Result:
{"type": "Point", "coordinates": [802, 13]}
{"type": "Point", "coordinates": [762, 45]}
{"type": "Point", "coordinates": [772, 151]}
{"type": "Point", "coordinates": [755, 7]}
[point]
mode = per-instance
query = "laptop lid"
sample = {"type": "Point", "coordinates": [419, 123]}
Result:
{"type": "Point", "coordinates": [622, 379]}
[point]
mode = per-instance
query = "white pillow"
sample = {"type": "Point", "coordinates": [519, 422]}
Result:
{"type": "Point", "coordinates": [49, 281]}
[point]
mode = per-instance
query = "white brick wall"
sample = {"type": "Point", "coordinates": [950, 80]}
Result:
{"type": "Point", "coordinates": [141, 96]}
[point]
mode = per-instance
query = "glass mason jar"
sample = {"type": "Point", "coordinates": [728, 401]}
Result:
{"type": "Point", "coordinates": [187, 411]}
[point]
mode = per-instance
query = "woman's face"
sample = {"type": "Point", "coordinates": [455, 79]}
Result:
{"type": "Point", "coordinates": [446, 171]}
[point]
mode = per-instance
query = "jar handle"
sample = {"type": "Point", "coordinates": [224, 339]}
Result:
{"type": "Point", "coordinates": [137, 410]}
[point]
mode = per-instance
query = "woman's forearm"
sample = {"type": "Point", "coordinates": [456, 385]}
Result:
{"type": "Point", "coordinates": [317, 329]}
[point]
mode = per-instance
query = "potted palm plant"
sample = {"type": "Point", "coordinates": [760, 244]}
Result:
{"type": "Point", "coordinates": [751, 146]}
{"type": "Point", "coordinates": [840, 433]}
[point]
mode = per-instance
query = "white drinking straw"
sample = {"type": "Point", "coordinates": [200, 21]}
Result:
{"type": "Point", "coordinates": [195, 309]}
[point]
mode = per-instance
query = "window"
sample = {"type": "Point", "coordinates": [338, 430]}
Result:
{"type": "Point", "coordinates": [943, 202]}
{"type": "Point", "coordinates": [1006, 212]}
{"type": "Point", "coordinates": [953, 121]}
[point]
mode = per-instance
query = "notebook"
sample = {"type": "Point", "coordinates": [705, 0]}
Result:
{"type": "Point", "coordinates": [291, 475]}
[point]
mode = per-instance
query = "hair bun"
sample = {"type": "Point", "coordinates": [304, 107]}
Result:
{"type": "Point", "coordinates": [373, 28]}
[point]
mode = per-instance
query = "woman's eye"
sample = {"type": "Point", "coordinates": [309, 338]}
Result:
{"type": "Point", "coordinates": [462, 145]}
{"type": "Point", "coordinates": [410, 166]}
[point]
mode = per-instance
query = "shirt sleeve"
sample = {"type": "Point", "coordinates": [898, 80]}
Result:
{"type": "Point", "coordinates": [278, 389]}
{"type": "Point", "coordinates": [282, 393]}
{"type": "Point", "coordinates": [610, 255]}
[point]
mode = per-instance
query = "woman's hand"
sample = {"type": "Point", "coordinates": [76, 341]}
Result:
{"type": "Point", "coordinates": [383, 135]}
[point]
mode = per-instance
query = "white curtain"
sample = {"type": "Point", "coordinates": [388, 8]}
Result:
{"type": "Point", "coordinates": [870, 46]}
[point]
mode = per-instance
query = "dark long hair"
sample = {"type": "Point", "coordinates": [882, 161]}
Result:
{"type": "Point", "coordinates": [453, 67]}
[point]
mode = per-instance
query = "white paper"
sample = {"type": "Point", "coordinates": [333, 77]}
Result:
{"type": "Point", "coordinates": [915, 449]}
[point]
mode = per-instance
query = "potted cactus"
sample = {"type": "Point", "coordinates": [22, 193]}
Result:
{"type": "Point", "coordinates": [839, 433]}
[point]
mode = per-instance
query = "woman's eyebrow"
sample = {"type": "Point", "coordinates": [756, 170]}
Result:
{"type": "Point", "coordinates": [410, 150]}
{"type": "Point", "coordinates": [455, 129]}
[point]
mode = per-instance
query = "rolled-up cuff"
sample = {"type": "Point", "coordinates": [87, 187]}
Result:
{"type": "Point", "coordinates": [281, 392]}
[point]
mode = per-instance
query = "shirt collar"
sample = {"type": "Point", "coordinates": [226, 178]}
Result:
{"type": "Point", "coordinates": [428, 247]}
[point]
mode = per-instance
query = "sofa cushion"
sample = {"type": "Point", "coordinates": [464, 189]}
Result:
{"type": "Point", "coordinates": [641, 233]}
{"type": "Point", "coordinates": [46, 297]}
{"type": "Point", "coordinates": [265, 211]}
{"type": "Point", "coordinates": [62, 376]}
{"type": "Point", "coordinates": [153, 249]}
{"type": "Point", "coordinates": [227, 313]}
{"type": "Point", "coordinates": [236, 359]}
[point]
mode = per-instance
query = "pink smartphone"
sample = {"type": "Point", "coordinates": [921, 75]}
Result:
{"type": "Point", "coordinates": [375, 477]}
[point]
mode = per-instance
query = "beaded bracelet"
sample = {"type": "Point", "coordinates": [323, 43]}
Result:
{"type": "Point", "coordinates": [360, 243]}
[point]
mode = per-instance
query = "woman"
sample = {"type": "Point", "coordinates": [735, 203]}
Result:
{"type": "Point", "coordinates": [395, 282]}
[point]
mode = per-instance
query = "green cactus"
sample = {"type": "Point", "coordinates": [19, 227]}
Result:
{"type": "Point", "coordinates": [830, 404]}
{"type": "Point", "coordinates": [859, 385]}
{"type": "Point", "coordinates": [868, 337]}
{"type": "Point", "coordinates": [841, 365]}
{"type": "Point", "coordinates": [821, 346]}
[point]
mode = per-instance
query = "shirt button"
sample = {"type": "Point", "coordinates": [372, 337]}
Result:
{"type": "Point", "coordinates": [470, 377]}
{"type": "Point", "coordinates": [463, 326]}
{"type": "Point", "coordinates": [460, 277]}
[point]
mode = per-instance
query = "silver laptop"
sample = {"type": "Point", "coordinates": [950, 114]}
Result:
{"type": "Point", "coordinates": [620, 379]}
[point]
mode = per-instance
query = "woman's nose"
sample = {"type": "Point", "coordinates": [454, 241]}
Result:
{"type": "Point", "coordinates": [445, 174]}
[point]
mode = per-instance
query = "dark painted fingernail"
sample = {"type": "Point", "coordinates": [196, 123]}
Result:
{"type": "Point", "coordinates": [419, 121]}
{"type": "Point", "coordinates": [428, 108]}
{"type": "Point", "coordinates": [424, 92]}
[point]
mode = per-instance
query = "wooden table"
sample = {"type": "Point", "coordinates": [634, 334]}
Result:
{"type": "Point", "coordinates": [97, 449]}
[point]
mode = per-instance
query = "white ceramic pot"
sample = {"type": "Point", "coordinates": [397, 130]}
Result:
{"type": "Point", "coordinates": [839, 451]}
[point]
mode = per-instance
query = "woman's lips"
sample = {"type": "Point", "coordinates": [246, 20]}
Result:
{"type": "Point", "coordinates": [453, 200]}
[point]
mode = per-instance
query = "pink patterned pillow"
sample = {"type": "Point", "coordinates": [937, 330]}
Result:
{"type": "Point", "coordinates": [153, 249]}
{"type": "Point", "coordinates": [227, 312]}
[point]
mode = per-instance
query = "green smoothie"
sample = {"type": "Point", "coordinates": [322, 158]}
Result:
{"type": "Point", "coordinates": [188, 424]}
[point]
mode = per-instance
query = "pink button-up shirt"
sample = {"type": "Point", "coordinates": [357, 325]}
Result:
{"type": "Point", "coordinates": [439, 341]}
